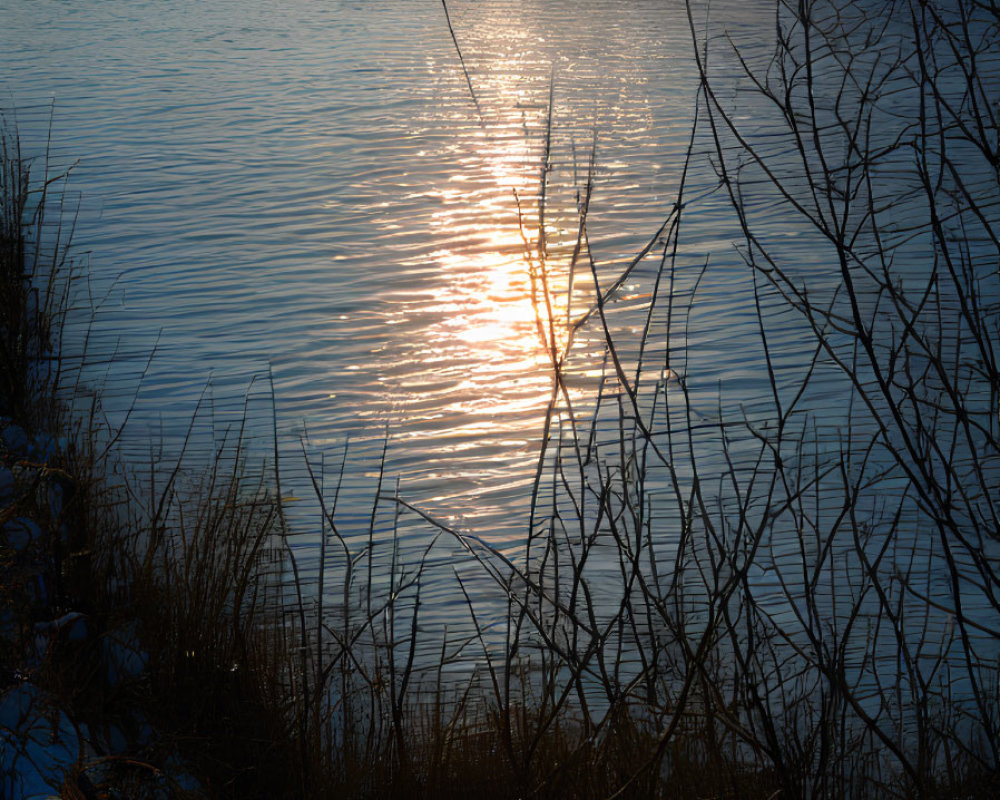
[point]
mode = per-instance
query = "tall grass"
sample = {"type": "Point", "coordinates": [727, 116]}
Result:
{"type": "Point", "coordinates": [33, 258]}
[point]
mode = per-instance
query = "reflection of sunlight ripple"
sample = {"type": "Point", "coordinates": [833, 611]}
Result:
{"type": "Point", "coordinates": [476, 374]}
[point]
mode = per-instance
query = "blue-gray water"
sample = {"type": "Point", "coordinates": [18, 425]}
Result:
{"type": "Point", "coordinates": [307, 185]}
{"type": "Point", "coordinates": [308, 188]}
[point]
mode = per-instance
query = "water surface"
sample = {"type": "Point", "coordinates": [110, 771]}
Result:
{"type": "Point", "coordinates": [308, 192]}
{"type": "Point", "coordinates": [309, 188]}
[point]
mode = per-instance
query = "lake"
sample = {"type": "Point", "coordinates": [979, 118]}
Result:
{"type": "Point", "coordinates": [308, 186]}
{"type": "Point", "coordinates": [326, 197]}
{"type": "Point", "coordinates": [310, 189]}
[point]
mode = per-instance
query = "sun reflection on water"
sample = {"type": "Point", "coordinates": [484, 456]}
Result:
{"type": "Point", "coordinates": [489, 331]}
{"type": "Point", "coordinates": [480, 306]}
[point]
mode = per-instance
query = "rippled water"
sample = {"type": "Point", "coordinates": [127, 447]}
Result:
{"type": "Point", "coordinates": [309, 190]}
{"type": "Point", "coordinates": [309, 186]}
